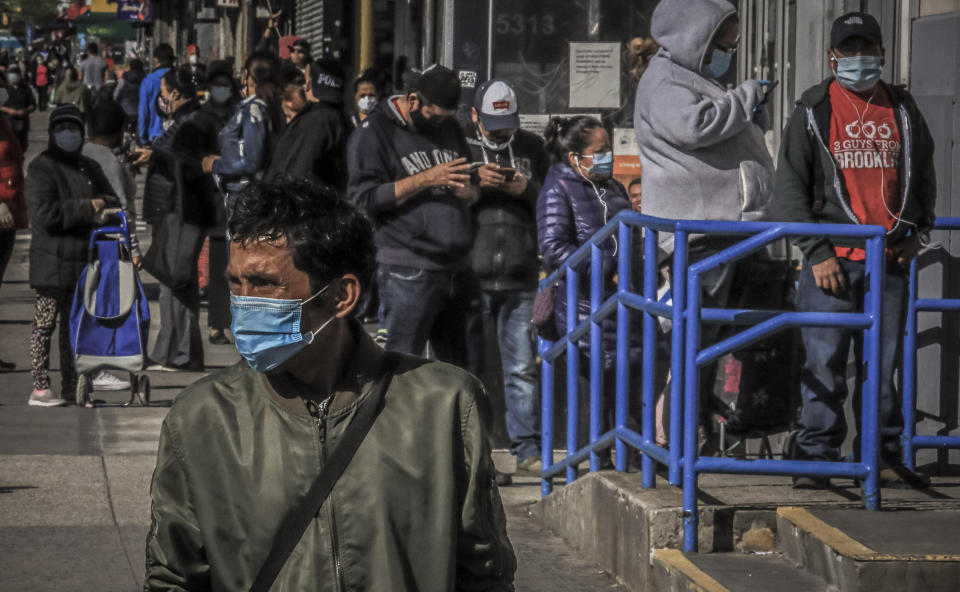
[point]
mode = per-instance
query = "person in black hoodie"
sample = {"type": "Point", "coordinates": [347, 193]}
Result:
{"type": "Point", "coordinates": [310, 146]}
{"type": "Point", "coordinates": [505, 252]}
{"type": "Point", "coordinates": [127, 92]}
{"type": "Point", "coordinates": [408, 169]}
{"type": "Point", "coordinates": [175, 174]}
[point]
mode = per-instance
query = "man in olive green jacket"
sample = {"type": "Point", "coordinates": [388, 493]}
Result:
{"type": "Point", "coordinates": [416, 509]}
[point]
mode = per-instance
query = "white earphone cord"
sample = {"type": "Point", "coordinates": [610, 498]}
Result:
{"type": "Point", "coordinates": [883, 184]}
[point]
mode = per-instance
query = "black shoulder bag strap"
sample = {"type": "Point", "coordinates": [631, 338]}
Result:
{"type": "Point", "coordinates": [297, 521]}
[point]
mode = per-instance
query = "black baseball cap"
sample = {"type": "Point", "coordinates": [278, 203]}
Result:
{"type": "Point", "coordinates": [855, 24]}
{"type": "Point", "coordinates": [439, 86]}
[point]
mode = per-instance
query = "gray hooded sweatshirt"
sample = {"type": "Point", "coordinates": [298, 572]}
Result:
{"type": "Point", "coordinates": [703, 156]}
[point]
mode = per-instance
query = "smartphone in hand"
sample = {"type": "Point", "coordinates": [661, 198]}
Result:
{"type": "Point", "coordinates": [508, 173]}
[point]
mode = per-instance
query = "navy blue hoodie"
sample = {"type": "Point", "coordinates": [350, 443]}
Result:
{"type": "Point", "coordinates": [431, 230]}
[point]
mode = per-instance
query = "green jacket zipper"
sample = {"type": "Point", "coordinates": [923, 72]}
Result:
{"type": "Point", "coordinates": [320, 412]}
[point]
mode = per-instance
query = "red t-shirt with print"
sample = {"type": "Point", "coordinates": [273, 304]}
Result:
{"type": "Point", "coordinates": [865, 144]}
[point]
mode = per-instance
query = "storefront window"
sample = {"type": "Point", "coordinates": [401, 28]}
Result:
{"type": "Point", "coordinates": [533, 42]}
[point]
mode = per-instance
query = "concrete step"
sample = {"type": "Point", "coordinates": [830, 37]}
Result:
{"type": "Point", "coordinates": [615, 523]}
{"type": "Point", "coordinates": [730, 572]}
{"type": "Point", "coordinates": [859, 551]}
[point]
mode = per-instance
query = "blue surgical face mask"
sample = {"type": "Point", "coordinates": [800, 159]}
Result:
{"type": "Point", "coordinates": [220, 94]}
{"type": "Point", "coordinates": [267, 330]}
{"type": "Point", "coordinates": [602, 163]}
{"type": "Point", "coordinates": [68, 140]}
{"type": "Point", "coordinates": [13, 78]}
{"type": "Point", "coordinates": [859, 73]}
{"type": "Point", "coordinates": [719, 63]}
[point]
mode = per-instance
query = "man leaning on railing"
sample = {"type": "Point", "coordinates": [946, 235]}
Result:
{"type": "Point", "coordinates": [856, 150]}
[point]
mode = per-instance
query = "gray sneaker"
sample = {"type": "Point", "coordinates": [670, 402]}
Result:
{"type": "Point", "coordinates": [531, 464]}
{"type": "Point", "coordinates": [45, 398]}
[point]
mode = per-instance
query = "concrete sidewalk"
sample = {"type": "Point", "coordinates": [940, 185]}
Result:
{"type": "Point", "coordinates": [74, 483]}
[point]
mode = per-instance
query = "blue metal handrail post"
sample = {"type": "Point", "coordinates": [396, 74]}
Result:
{"type": "Point", "coordinates": [622, 409]}
{"type": "Point", "coordinates": [870, 432]}
{"type": "Point", "coordinates": [573, 371]}
{"type": "Point", "coordinates": [691, 518]}
{"type": "Point", "coordinates": [648, 429]}
{"type": "Point", "coordinates": [910, 372]}
{"type": "Point", "coordinates": [679, 287]}
{"type": "Point", "coordinates": [546, 417]}
{"type": "Point", "coordinates": [596, 352]}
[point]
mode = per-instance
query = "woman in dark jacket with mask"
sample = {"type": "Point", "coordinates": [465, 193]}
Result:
{"type": "Point", "coordinates": [578, 198]}
{"type": "Point", "coordinates": [175, 176]}
{"type": "Point", "coordinates": [65, 193]}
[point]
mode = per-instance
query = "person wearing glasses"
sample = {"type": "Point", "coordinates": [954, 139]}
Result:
{"type": "Point", "coordinates": [701, 143]}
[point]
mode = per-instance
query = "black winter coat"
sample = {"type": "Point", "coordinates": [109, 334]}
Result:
{"type": "Point", "coordinates": [128, 92]}
{"type": "Point", "coordinates": [504, 254]}
{"type": "Point", "coordinates": [569, 212]}
{"type": "Point", "coordinates": [59, 189]}
{"type": "Point", "coordinates": [175, 171]}
{"type": "Point", "coordinates": [311, 146]}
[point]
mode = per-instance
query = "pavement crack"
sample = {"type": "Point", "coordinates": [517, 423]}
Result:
{"type": "Point", "coordinates": [113, 511]}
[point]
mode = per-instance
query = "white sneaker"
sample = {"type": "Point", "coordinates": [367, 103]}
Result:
{"type": "Point", "coordinates": [108, 382]}
{"type": "Point", "coordinates": [45, 398]}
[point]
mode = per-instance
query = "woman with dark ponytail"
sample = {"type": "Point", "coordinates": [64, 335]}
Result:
{"type": "Point", "coordinates": [578, 198]}
{"type": "Point", "coordinates": [245, 140]}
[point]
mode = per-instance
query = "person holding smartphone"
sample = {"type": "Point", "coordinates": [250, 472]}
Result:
{"type": "Point", "coordinates": [509, 165]}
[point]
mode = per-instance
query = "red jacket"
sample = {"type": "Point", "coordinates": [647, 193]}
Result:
{"type": "Point", "coordinates": [11, 175]}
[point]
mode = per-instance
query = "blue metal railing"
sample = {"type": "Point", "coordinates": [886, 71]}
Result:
{"type": "Point", "coordinates": [910, 440]}
{"type": "Point", "coordinates": [687, 317]}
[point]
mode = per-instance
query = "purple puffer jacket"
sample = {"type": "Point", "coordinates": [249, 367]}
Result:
{"type": "Point", "coordinates": [569, 212]}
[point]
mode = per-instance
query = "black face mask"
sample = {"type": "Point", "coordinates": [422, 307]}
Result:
{"type": "Point", "coordinates": [424, 124]}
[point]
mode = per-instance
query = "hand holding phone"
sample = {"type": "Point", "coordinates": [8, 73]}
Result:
{"type": "Point", "coordinates": [508, 173]}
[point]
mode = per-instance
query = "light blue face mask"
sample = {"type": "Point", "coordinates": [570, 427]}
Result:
{"type": "Point", "coordinates": [220, 94]}
{"type": "Point", "coordinates": [68, 140]}
{"type": "Point", "coordinates": [719, 63]}
{"type": "Point", "coordinates": [859, 73]}
{"type": "Point", "coordinates": [267, 330]}
{"type": "Point", "coordinates": [602, 163]}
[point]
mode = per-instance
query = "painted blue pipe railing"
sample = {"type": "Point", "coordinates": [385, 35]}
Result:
{"type": "Point", "coordinates": [687, 317]}
{"type": "Point", "coordinates": [695, 358]}
{"type": "Point", "coordinates": [910, 440]}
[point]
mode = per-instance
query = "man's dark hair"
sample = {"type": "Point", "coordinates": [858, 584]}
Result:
{"type": "Point", "coordinates": [636, 181]}
{"type": "Point", "coordinates": [136, 65]}
{"type": "Point", "coordinates": [93, 49]}
{"type": "Point", "coordinates": [329, 236]}
{"type": "Point", "coordinates": [569, 134]}
{"type": "Point", "coordinates": [365, 80]}
{"type": "Point", "coordinates": [106, 119]}
{"type": "Point", "coordinates": [164, 55]}
{"type": "Point", "coordinates": [290, 74]}
{"type": "Point", "coordinates": [181, 79]}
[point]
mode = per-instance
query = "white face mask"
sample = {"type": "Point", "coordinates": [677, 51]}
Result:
{"type": "Point", "coordinates": [192, 59]}
{"type": "Point", "coordinates": [491, 145]}
{"type": "Point", "coordinates": [366, 104]}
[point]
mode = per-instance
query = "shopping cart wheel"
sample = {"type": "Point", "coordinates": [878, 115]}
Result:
{"type": "Point", "coordinates": [143, 390]}
{"type": "Point", "coordinates": [84, 387]}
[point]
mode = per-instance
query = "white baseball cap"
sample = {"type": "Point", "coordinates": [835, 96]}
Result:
{"type": "Point", "coordinates": [497, 105]}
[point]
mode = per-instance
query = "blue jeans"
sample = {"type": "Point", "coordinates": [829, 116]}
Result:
{"type": "Point", "coordinates": [511, 311]}
{"type": "Point", "coordinates": [442, 306]}
{"type": "Point", "coordinates": [824, 375]}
